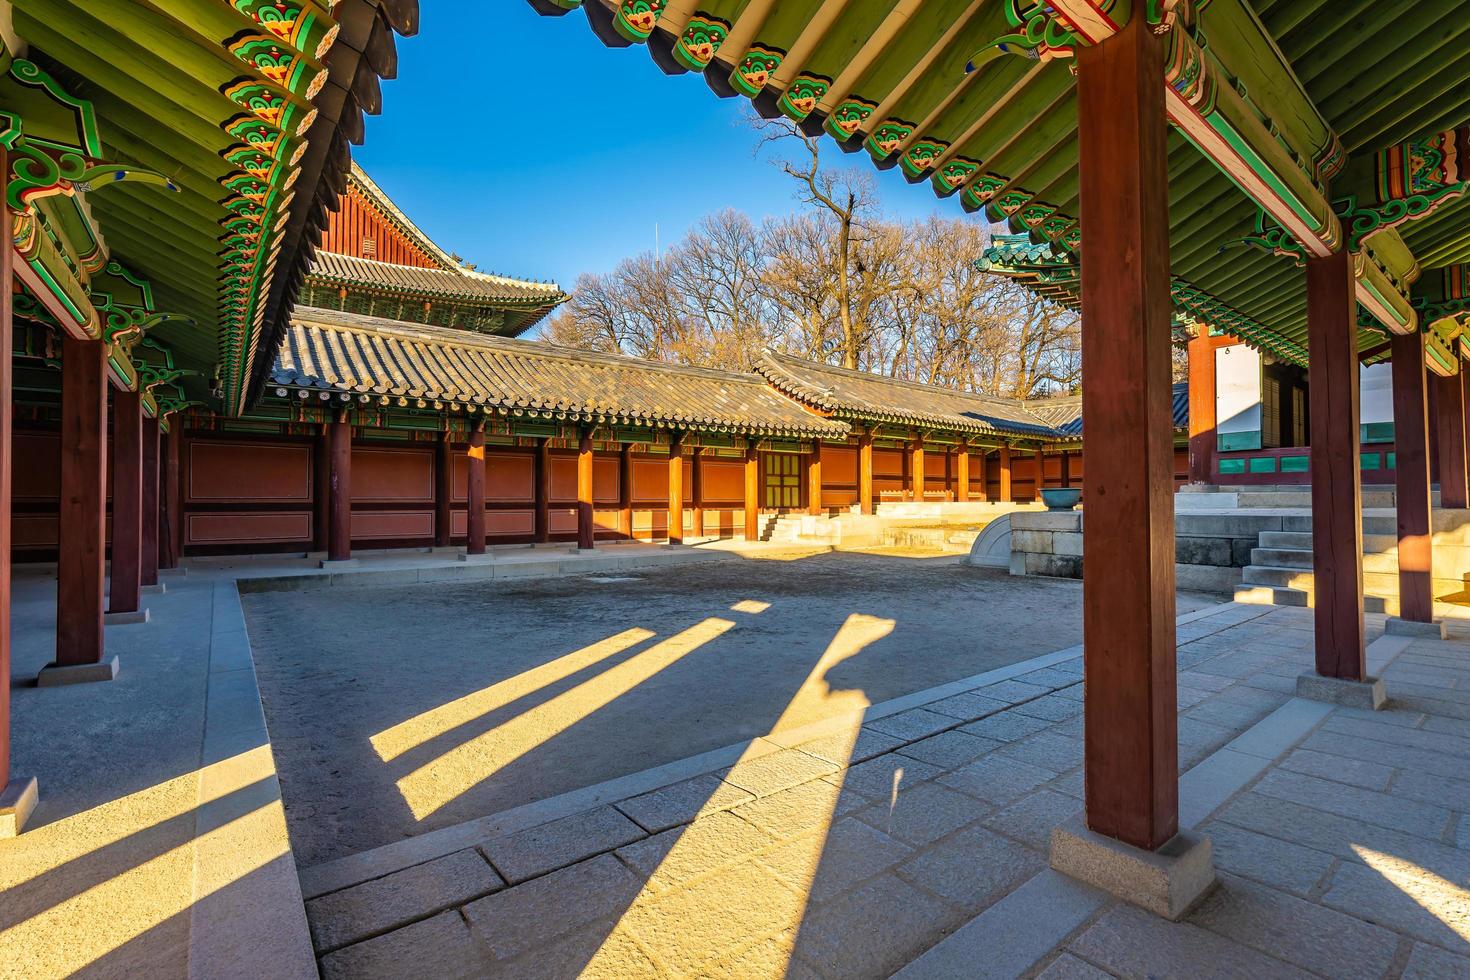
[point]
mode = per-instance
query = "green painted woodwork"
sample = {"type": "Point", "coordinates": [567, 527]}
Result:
{"type": "Point", "coordinates": [1229, 442]}
{"type": "Point", "coordinates": [1375, 432]}
{"type": "Point", "coordinates": [1296, 464]}
{"type": "Point", "coordinates": [1261, 464]}
{"type": "Point", "coordinates": [1231, 467]}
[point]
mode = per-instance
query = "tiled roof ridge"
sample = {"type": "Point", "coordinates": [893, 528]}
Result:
{"type": "Point", "coordinates": [550, 291]}
{"type": "Point", "coordinates": [381, 200]}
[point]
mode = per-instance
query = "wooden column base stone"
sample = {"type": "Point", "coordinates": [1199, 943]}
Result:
{"type": "Point", "coordinates": [158, 588]}
{"type": "Point", "coordinates": [54, 675]}
{"type": "Point", "coordinates": [132, 617]}
{"type": "Point", "coordinates": [330, 563]}
{"type": "Point", "coordinates": [17, 802]}
{"type": "Point", "coordinates": [1168, 882]}
{"type": "Point", "coordinates": [483, 558]}
{"type": "Point", "coordinates": [1367, 693]}
{"type": "Point", "coordinates": [1435, 630]}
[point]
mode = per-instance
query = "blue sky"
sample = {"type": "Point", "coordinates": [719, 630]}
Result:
{"type": "Point", "coordinates": [526, 146]}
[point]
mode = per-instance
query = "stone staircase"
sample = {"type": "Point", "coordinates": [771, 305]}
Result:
{"type": "Point", "coordinates": [1280, 572]}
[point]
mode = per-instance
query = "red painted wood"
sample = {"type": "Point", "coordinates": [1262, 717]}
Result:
{"type": "Point", "coordinates": [151, 475]}
{"type": "Point", "coordinates": [7, 463]}
{"type": "Point", "coordinates": [752, 492]}
{"type": "Point", "coordinates": [1337, 498]}
{"type": "Point", "coordinates": [625, 492]}
{"type": "Point", "coordinates": [339, 490]}
{"type": "Point", "coordinates": [814, 481]}
{"type": "Point", "coordinates": [1411, 478]}
{"type": "Point", "coordinates": [321, 483]}
{"type": "Point", "coordinates": [676, 491]}
{"type": "Point", "coordinates": [541, 492]}
{"type": "Point", "coordinates": [443, 470]}
{"type": "Point", "coordinates": [1005, 473]}
{"type": "Point", "coordinates": [79, 571]}
{"type": "Point", "coordinates": [170, 520]}
{"type": "Point", "coordinates": [696, 492]}
{"type": "Point", "coordinates": [1202, 438]}
{"type": "Point", "coordinates": [474, 543]}
{"type": "Point", "coordinates": [585, 517]}
{"type": "Point", "coordinates": [1131, 751]}
{"type": "Point", "coordinates": [865, 472]}
{"type": "Point", "coordinates": [1066, 469]}
{"type": "Point", "coordinates": [962, 474]}
{"type": "Point", "coordinates": [1449, 426]}
{"type": "Point", "coordinates": [126, 578]}
{"type": "Point", "coordinates": [916, 469]}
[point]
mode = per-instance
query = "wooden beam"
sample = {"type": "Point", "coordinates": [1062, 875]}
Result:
{"type": "Point", "coordinates": [962, 473]}
{"type": "Point", "coordinates": [151, 475]}
{"type": "Point", "coordinates": [865, 472]}
{"type": "Point", "coordinates": [1131, 752]}
{"type": "Point", "coordinates": [125, 582]}
{"type": "Point", "coordinates": [83, 512]}
{"type": "Point", "coordinates": [752, 491]}
{"type": "Point", "coordinates": [1005, 472]}
{"type": "Point", "coordinates": [7, 469]}
{"type": "Point", "coordinates": [170, 517]}
{"type": "Point", "coordinates": [625, 492]}
{"type": "Point", "coordinates": [696, 491]}
{"type": "Point", "coordinates": [474, 541]}
{"type": "Point", "coordinates": [676, 490]}
{"type": "Point", "coordinates": [443, 490]}
{"type": "Point", "coordinates": [543, 492]}
{"type": "Point", "coordinates": [814, 481]}
{"type": "Point", "coordinates": [1337, 499]}
{"type": "Point", "coordinates": [1411, 478]}
{"type": "Point", "coordinates": [585, 525]}
{"type": "Point", "coordinates": [1202, 437]}
{"type": "Point", "coordinates": [339, 489]}
{"type": "Point", "coordinates": [1449, 426]}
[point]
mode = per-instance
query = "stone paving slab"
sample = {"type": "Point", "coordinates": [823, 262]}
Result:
{"type": "Point", "coordinates": [930, 855]}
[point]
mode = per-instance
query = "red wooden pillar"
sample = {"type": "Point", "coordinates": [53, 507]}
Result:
{"type": "Point", "coordinates": [1131, 752]}
{"type": "Point", "coordinates": [1449, 424]}
{"type": "Point", "coordinates": [983, 462]}
{"type": "Point", "coordinates": [339, 490]}
{"type": "Point", "coordinates": [474, 541]}
{"type": "Point", "coordinates": [322, 480]}
{"type": "Point", "coordinates": [543, 492]}
{"type": "Point", "coordinates": [151, 476]}
{"type": "Point", "coordinates": [916, 468]}
{"type": "Point", "coordinates": [1202, 437]}
{"type": "Point", "coordinates": [170, 519]}
{"type": "Point", "coordinates": [1337, 529]}
{"type": "Point", "coordinates": [1066, 469]}
{"type": "Point", "coordinates": [443, 490]}
{"type": "Point", "coordinates": [752, 491]}
{"type": "Point", "coordinates": [83, 513]}
{"type": "Point", "coordinates": [125, 583]}
{"type": "Point", "coordinates": [696, 491]}
{"type": "Point", "coordinates": [1040, 473]}
{"type": "Point", "coordinates": [962, 473]}
{"type": "Point", "coordinates": [584, 492]}
{"type": "Point", "coordinates": [1005, 472]}
{"type": "Point", "coordinates": [676, 490]}
{"type": "Point", "coordinates": [625, 492]}
{"type": "Point", "coordinates": [814, 480]}
{"type": "Point", "coordinates": [1411, 478]}
{"type": "Point", "coordinates": [865, 472]}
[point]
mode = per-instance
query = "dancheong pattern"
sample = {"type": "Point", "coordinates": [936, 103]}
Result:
{"type": "Point", "coordinates": [635, 19]}
{"type": "Point", "coordinates": [803, 94]}
{"type": "Point", "coordinates": [848, 117]}
{"type": "Point", "coordinates": [754, 70]}
{"type": "Point", "coordinates": [920, 157]}
{"type": "Point", "coordinates": [702, 37]}
{"type": "Point", "coordinates": [889, 136]}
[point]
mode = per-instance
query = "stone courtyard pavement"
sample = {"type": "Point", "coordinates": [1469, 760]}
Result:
{"type": "Point", "coordinates": [918, 842]}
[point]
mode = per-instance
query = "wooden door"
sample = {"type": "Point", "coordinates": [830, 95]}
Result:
{"type": "Point", "coordinates": [782, 480]}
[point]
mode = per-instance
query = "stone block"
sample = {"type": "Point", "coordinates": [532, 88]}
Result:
{"type": "Point", "coordinates": [950, 750]}
{"type": "Point", "coordinates": [132, 617]}
{"type": "Point", "coordinates": [668, 859]}
{"type": "Point", "coordinates": [376, 906]}
{"type": "Point", "coordinates": [852, 851]}
{"type": "Point", "coordinates": [876, 930]}
{"type": "Point", "coordinates": [1031, 818]}
{"type": "Point", "coordinates": [1278, 863]}
{"type": "Point", "coordinates": [922, 813]}
{"type": "Point", "coordinates": [968, 706]}
{"type": "Point", "coordinates": [683, 802]}
{"type": "Point", "coordinates": [801, 808]}
{"type": "Point", "coordinates": [484, 558]}
{"type": "Point", "coordinates": [157, 588]}
{"type": "Point", "coordinates": [1032, 542]}
{"type": "Point", "coordinates": [537, 850]}
{"type": "Point", "coordinates": [912, 725]}
{"type": "Point", "coordinates": [1394, 626]}
{"type": "Point", "coordinates": [1168, 882]}
{"type": "Point", "coordinates": [1207, 578]}
{"type": "Point", "coordinates": [1240, 551]}
{"type": "Point", "coordinates": [880, 778]}
{"type": "Point", "coordinates": [844, 751]}
{"type": "Point", "coordinates": [1067, 543]}
{"type": "Point", "coordinates": [972, 868]}
{"type": "Point", "coordinates": [777, 771]}
{"type": "Point", "coordinates": [1018, 563]}
{"type": "Point", "coordinates": [439, 947]}
{"type": "Point", "coordinates": [57, 675]}
{"type": "Point", "coordinates": [1334, 690]}
{"type": "Point", "coordinates": [17, 803]}
{"type": "Point", "coordinates": [1006, 726]}
{"type": "Point", "coordinates": [997, 780]}
{"type": "Point", "coordinates": [1067, 520]}
{"type": "Point", "coordinates": [338, 564]}
{"type": "Point", "coordinates": [1054, 566]}
{"type": "Point", "coordinates": [529, 916]}
{"type": "Point", "coordinates": [1190, 550]}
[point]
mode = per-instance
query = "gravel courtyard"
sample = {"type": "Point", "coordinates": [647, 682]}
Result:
{"type": "Point", "coordinates": [393, 711]}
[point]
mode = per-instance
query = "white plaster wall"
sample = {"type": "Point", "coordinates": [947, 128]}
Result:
{"type": "Point", "coordinates": [1375, 385]}
{"type": "Point", "coordinates": [1238, 391]}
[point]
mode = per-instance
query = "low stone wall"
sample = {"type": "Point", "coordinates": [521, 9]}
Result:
{"type": "Point", "coordinates": [1209, 550]}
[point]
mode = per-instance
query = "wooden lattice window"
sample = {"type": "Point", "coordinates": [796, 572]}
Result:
{"type": "Point", "coordinates": [369, 247]}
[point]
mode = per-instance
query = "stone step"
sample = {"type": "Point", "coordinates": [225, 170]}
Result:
{"type": "Point", "coordinates": [1266, 595]}
{"type": "Point", "coordinates": [1302, 558]}
{"type": "Point", "coordinates": [1380, 583]}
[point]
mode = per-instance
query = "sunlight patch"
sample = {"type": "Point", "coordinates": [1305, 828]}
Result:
{"type": "Point", "coordinates": [751, 606]}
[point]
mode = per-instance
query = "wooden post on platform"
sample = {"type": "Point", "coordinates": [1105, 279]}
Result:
{"type": "Point", "coordinates": [625, 492]}
{"type": "Point", "coordinates": [1337, 499]}
{"type": "Point", "coordinates": [151, 475]}
{"type": "Point", "coordinates": [125, 583]}
{"type": "Point", "coordinates": [542, 480]}
{"type": "Point", "coordinates": [676, 490]}
{"type": "Point", "coordinates": [321, 462]}
{"type": "Point", "coordinates": [339, 489]}
{"type": "Point", "coordinates": [585, 527]}
{"type": "Point", "coordinates": [865, 472]}
{"type": "Point", "coordinates": [1066, 469]}
{"type": "Point", "coordinates": [474, 518]}
{"type": "Point", "coordinates": [814, 480]}
{"type": "Point", "coordinates": [443, 490]}
{"type": "Point", "coordinates": [1131, 752]}
{"type": "Point", "coordinates": [83, 513]}
{"type": "Point", "coordinates": [962, 473]}
{"type": "Point", "coordinates": [1411, 478]}
{"type": "Point", "coordinates": [1040, 472]}
{"type": "Point", "coordinates": [1005, 472]}
{"type": "Point", "coordinates": [752, 491]}
{"type": "Point", "coordinates": [696, 492]}
{"type": "Point", "coordinates": [1449, 425]}
{"type": "Point", "coordinates": [1202, 437]}
{"type": "Point", "coordinates": [170, 517]}
{"type": "Point", "coordinates": [916, 468]}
